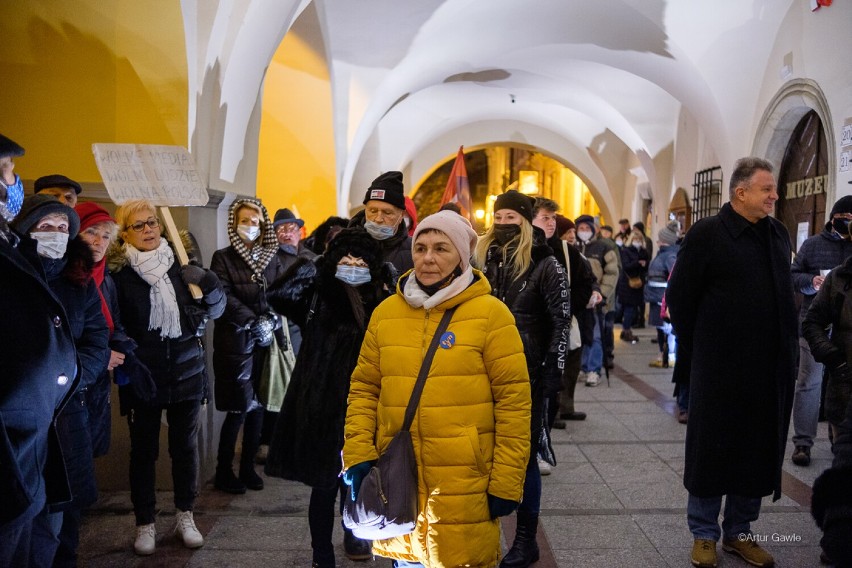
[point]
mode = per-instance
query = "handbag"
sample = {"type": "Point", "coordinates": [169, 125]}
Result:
{"type": "Point", "coordinates": [386, 505]}
{"type": "Point", "coordinates": [277, 369]}
{"type": "Point", "coordinates": [574, 339]}
{"type": "Point", "coordinates": [634, 282]}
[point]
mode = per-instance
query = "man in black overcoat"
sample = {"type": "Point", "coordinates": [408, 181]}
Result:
{"type": "Point", "coordinates": [38, 372]}
{"type": "Point", "coordinates": [730, 297]}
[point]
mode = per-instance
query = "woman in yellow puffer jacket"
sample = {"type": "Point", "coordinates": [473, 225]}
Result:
{"type": "Point", "coordinates": [472, 426]}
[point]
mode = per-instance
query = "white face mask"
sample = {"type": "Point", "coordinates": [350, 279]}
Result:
{"type": "Point", "coordinates": [248, 232]}
{"type": "Point", "coordinates": [637, 245]}
{"type": "Point", "coordinates": [619, 242]}
{"type": "Point", "coordinates": [51, 244]}
{"type": "Point", "coordinates": [584, 236]}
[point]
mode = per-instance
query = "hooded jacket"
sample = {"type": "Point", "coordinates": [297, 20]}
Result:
{"type": "Point", "coordinates": [471, 428]}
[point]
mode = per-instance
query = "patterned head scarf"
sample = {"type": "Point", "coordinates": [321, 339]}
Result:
{"type": "Point", "coordinates": [264, 249]}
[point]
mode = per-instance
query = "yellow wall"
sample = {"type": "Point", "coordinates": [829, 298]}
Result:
{"type": "Point", "coordinates": [296, 149]}
{"type": "Point", "coordinates": [76, 72]}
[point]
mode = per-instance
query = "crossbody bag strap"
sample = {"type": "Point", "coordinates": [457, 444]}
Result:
{"type": "Point", "coordinates": [424, 369]}
{"type": "Point", "coordinates": [567, 262]}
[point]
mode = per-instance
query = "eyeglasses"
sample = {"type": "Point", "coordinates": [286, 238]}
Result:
{"type": "Point", "coordinates": [287, 228]}
{"type": "Point", "coordinates": [152, 222]}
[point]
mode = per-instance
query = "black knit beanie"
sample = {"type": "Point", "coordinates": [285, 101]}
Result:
{"type": "Point", "coordinates": [387, 187]}
{"type": "Point", "coordinates": [517, 202]}
{"type": "Point", "coordinates": [40, 205]}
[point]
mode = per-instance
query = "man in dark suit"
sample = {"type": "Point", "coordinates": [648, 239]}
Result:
{"type": "Point", "coordinates": [38, 372]}
{"type": "Point", "coordinates": [730, 296]}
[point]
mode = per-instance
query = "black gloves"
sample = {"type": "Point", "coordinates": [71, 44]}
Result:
{"type": "Point", "coordinates": [499, 507]}
{"type": "Point", "coordinates": [838, 392]}
{"type": "Point", "coordinates": [201, 277]}
{"type": "Point", "coordinates": [552, 375]}
{"type": "Point", "coordinates": [138, 376]}
{"type": "Point", "coordinates": [262, 330]}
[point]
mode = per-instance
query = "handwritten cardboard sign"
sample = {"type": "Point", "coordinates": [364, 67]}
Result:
{"type": "Point", "coordinates": [164, 175]}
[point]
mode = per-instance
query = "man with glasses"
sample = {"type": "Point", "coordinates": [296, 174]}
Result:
{"type": "Point", "coordinates": [384, 206]}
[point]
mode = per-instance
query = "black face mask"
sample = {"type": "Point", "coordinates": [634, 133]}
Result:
{"type": "Point", "coordinates": [841, 226]}
{"type": "Point", "coordinates": [505, 232]}
{"type": "Point", "coordinates": [443, 282]}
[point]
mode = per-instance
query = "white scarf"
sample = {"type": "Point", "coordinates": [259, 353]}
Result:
{"type": "Point", "coordinates": [417, 298]}
{"type": "Point", "coordinates": [152, 266]}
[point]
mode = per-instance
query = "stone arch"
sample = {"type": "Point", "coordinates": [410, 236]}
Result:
{"type": "Point", "coordinates": [792, 102]}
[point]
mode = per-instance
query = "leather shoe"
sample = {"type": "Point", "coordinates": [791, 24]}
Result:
{"type": "Point", "coordinates": [749, 551]}
{"type": "Point", "coordinates": [226, 481]}
{"type": "Point", "coordinates": [682, 416]}
{"type": "Point", "coordinates": [251, 479]}
{"type": "Point", "coordinates": [573, 416]}
{"type": "Point", "coordinates": [703, 553]}
{"type": "Point", "coordinates": [559, 424]}
{"type": "Point", "coordinates": [356, 548]}
{"type": "Point", "coordinates": [802, 456]}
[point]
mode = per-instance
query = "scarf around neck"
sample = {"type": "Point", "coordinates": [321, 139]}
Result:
{"type": "Point", "coordinates": [98, 273]}
{"type": "Point", "coordinates": [417, 298]}
{"type": "Point", "coordinates": [152, 267]}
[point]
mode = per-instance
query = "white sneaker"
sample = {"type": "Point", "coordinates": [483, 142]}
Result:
{"type": "Point", "coordinates": [185, 528]}
{"type": "Point", "coordinates": [543, 467]}
{"type": "Point", "coordinates": [146, 540]}
{"type": "Point", "coordinates": [592, 379]}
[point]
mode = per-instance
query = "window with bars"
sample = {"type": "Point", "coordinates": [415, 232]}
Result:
{"type": "Point", "coordinates": [707, 191]}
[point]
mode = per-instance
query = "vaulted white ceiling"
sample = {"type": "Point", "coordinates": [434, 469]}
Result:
{"type": "Point", "coordinates": [419, 78]}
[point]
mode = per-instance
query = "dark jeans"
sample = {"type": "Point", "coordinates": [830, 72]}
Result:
{"type": "Point", "coordinates": [69, 538]}
{"type": "Point", "coordinates": [252, 422]}
{"type": "Point", "coordinates": [531, 501]}
{"type": "Point", "coordinates": [144, 423]}
{"type": "Point", "coordinates": [629, 315]}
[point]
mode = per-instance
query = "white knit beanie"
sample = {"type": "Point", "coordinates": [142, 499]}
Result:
{"type": "Point", "coordinates": [456, 227]}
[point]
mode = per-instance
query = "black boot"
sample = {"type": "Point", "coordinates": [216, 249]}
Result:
{"type": "Point", "coordinates": [356, 548]}
{"type": "Point", "coordinates": [524, 550]}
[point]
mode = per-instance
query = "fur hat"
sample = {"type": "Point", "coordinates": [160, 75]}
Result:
{"type": "Point", "coordinates": [456, 227]}
{"type": "Point", "coordinates": [517, 202]}
{"type": "Point", "coordinates": [669, 234]}
{"type": "Point", "coordinates": [563, 225]}
{"type": "Point", "coordinates": [38, 206]}
{"type": "Point", "coordinates": [357, 242]}
{"type": "Point", "coordinates": [9, 148]}
{"type": "Point", "coordinates": [91, 213]}
{"type": "Point", "coordinates": [57, 180]}
{"type": "Point", "coordinates": [387, 187]}
{"type": "Point", "coordinates": [286, 216]}
{"type": "Point", "coordinates": [587, 219]}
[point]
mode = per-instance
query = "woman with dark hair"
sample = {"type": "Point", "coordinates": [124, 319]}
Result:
{"type": "Point", "coordinates": [332, 300]}
{"type": "Point", "coordinates": [526, 276]}
{"type": "Point", "coordinates": [67, 262]}
{"type": "Point", "coordinates": [242, 337]}
{"type": "Point", "coordinates": [631, 281]}
{"type": "Point", "coordinates": [160, 314]}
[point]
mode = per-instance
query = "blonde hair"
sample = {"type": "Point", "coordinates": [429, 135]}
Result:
{"type": "Point", "coordinates": [128, 208]}
{"type": "Point", "coordinates": [636, 235]}
{"type": "Point", "coordinates": [244, 204]}
{"type": "Point", "coordinates": [519, 258]}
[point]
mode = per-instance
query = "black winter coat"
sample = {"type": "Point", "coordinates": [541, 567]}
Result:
{"type": "Point", "coordinates": [70, 279]}
{"type": "Point", "coordinates": [36, 380]}
{"type": "Point", "coordinates": [731, 302]}
{"type": "Point", "coordinates": [631, 267]}
{"type": "Point", "coordinates": [832, 308]}
{"type": "Point", "coordinates": [234, 351]}
{"type": "Point", "coordinates": [308, 435]}
{"type": "Point", "coordinates": [177, 365]}
{"type": "Point", "coordinates": [540, 301]}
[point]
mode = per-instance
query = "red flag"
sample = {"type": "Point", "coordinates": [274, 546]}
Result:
{"type": "Point", "coordinates": [458, 189]}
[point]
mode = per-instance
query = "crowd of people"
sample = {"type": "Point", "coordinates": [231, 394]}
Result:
{"type": "Point", "coordinates": [318, 342]}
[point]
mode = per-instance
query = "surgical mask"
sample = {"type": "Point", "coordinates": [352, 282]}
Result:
{"type": "Point", "coordinates": [619, 242]}
{"type": "Point", "coordinates": [584, 236]}
{"type": "Point", "coordinates": [248, 232]}
{"type": "Point", "coordinates": [51, 244]}
{"type": "Point", "coordinates": [505, 232]}
{"type": "Point", "coordinates": [353, 275]}
{"type": "Point", "coordinates": [841, 226]}
{"type": "Point", "coordinates": [379, 232]}
{"type": "Point", "coordinates": [637, 246]}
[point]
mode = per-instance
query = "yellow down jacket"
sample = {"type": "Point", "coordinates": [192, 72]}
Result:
{"type": "Point", "coordinates": [471, 429]}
